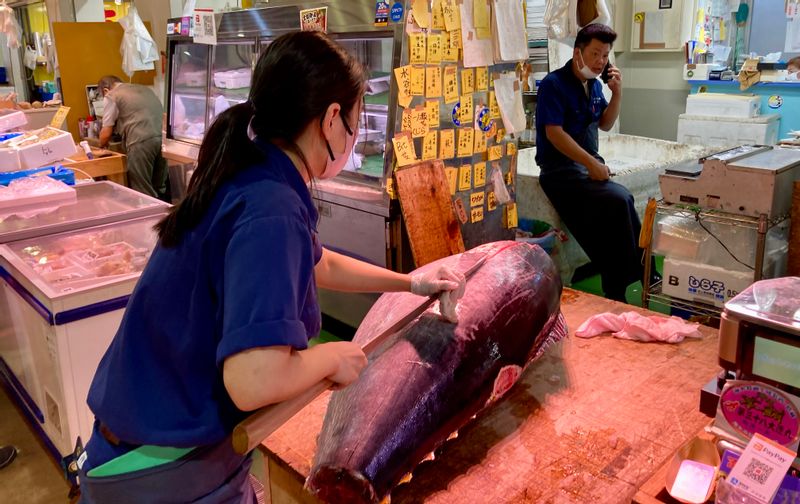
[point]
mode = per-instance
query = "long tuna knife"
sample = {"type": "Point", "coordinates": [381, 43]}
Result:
{"type": "Point", "coordinates": [251, 431]}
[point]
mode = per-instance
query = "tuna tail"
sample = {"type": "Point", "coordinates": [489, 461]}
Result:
{"type": "Point", "coordinates": [335, 485]}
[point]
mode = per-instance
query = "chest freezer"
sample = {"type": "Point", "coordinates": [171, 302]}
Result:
{"type": "Point", "coordinates": [65, 295]}
{"type": "Point", "coordinates": [96, 203]}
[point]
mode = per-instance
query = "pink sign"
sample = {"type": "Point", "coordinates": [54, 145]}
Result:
{"type": "Point", "coordinates": [757, 408]}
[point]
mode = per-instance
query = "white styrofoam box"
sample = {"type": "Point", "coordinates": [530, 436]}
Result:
{"type": "Point", "coordinates": [719, 131]}
{"type": "Point", "coordinates": [11, 119]}
{"type": "Point", "coordinates": [35, 148]}
{"type": "Point", "coordinates": [233, 79]}
{"type": "Point", "coordinates": [721, 104]}
{"type": "Point", "coordinates": [694, 281]}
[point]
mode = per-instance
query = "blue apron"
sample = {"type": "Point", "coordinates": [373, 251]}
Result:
{"type": "Point", "coordinates": [212, 474]}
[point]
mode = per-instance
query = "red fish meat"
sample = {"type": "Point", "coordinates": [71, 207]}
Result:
{"type": "Point", "coordinates": [432, 377]}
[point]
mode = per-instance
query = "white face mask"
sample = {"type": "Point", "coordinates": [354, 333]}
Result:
{"type": "Point", "coordinates": [585, 71]}
{"type": "Point", "coordinates": [335, 165]}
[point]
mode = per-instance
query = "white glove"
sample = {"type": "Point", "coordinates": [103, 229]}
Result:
{"type": "Point", "coordinates": [447, 281]}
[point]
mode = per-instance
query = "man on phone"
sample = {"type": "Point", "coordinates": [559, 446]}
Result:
{"type": "Point", "coordinates": [570, 108]}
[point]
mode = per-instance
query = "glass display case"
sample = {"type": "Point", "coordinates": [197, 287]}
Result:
{"type": "Point", "coordinates": [62, 298]}
{"type": "Point", "coordinates": [231, 71]}
{"type": "Point", "coordinates": [96, 203]}
{"type": "Point", "coordinates": [188, 92]}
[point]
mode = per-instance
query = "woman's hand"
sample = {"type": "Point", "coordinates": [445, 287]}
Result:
{"type": "Point", "coordinates": [349, 361]}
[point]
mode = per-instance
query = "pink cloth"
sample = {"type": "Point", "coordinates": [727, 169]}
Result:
{"type": "Point", "coordinates": [634, 326]}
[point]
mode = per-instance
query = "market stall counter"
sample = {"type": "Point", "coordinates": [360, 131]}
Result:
{"type": "Point", "coordinates": [591, 421]}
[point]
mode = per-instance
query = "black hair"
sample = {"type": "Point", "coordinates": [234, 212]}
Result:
{"type": "Point", "coordinates": [107, 82]}
{"type": "Point", "coordinates": [295, 80]}
{"type": "Point", "coordinates": [595, 31]}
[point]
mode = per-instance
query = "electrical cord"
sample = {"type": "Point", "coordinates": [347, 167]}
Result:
{"type": "Point", "coordinates": [700, 222]}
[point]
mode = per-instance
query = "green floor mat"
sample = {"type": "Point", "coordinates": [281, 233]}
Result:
{"type": "Point", "coordinates": [633, 295]}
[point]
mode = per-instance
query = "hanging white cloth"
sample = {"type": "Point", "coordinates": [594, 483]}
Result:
{"type": "Point", "coordinates": [138, 49]}
{"type": "Point", "coordinates": [561, 17]}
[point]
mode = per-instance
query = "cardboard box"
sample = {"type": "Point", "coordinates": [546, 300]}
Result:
{"type": "Point", "coordinates": [693, 281]}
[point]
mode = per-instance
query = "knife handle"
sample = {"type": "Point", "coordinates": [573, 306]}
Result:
{"type": "Point", "coordinates": [251, 431]}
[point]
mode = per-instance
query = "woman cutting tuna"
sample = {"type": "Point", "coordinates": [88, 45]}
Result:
{"type": "Point", "coordinates": [220, 319]}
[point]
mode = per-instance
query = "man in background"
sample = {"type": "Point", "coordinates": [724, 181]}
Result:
{"type": "Point", "coordinates": [137, 113]}
{"type": "Point", "coordinates": [570, 109]}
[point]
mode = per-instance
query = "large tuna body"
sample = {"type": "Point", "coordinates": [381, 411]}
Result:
{"type": "Point", "coordinates": [433, 376]}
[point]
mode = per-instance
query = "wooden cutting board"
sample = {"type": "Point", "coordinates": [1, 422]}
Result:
{"type": "Point", "coordinates": [433, 230]}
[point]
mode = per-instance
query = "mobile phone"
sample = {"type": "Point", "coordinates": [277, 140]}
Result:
{"type": "Point", "coordinates": [604, 75]}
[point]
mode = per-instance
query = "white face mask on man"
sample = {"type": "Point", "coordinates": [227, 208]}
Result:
{"type": "Point", "coordinates": [335, 164]}
{"type": "Point", "coordinates": [585, 71]}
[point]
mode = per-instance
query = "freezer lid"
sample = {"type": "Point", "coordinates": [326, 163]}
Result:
{"type": "Point", "coordinates": [97, 203]}
{"type": "Point", "coordinates": [774, 303]}
{"type": "Point", "coordinates": [72, 267]}
{"type": "Point", "coordinates": [774, 160]}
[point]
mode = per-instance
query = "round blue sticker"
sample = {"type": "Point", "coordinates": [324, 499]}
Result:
{"type": "Point", "coordinates": [456, 113]}
{"type": "Point", "coordinates": [397, 12]}
{"type": "Point", "coordinates": [775, 101]}
{"type": "Point", "coordinates": [483, 120]}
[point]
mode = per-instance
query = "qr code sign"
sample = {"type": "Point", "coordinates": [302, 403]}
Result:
{"type": "Point", "coordinates": [758, 471]}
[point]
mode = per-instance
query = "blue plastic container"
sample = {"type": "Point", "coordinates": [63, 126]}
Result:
{"type": "Point", "coordinates": [55, 172]}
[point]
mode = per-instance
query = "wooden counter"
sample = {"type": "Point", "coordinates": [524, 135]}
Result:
{"type": "Point", "coordinates": [590, 421]}
{"type": "Point", "coordinates": [108, 164]}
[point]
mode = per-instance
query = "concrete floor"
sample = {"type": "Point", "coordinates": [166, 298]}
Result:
{"type": "Point", "coordinates": [33, 477]}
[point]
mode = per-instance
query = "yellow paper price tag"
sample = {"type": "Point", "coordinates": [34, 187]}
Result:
{"type": "Point", "coordinates": [511, 215]}
{"type": "Point", "coordinates": [452, 179]}
{"type": "Point", "coordinates": [481, 79]}
{"type": "Point", "coordinates": [495, 152]}
{"type": "Point", "coordinates": [483, 33]}
{"type": "Point", "coordinates": [404, 151]}
{"type": "Point", "coordinates": [433, 81]}
{"type": "Point", "coordinates": [390, 188]}
{"type": "Point", "coordinates": [501, 134]}
{"type": "Point", "coordinates": [476, 215]}
{"type": "Point", "coordinates": [59, 117]}
{"type": "Point", "coordinates": [465, 141]}
{"type": "Point", "coordinates": [467, 81]}
{"type": "Point", "coordinates": [491, 201]}
{"type": "Point", "coordinates": [449, 54]}
{"type": "Point", "coordinates": [434, 48]}
{"type": "Point", "coordinates": [455, 39]}
{"type": "Point", "coordinates": [421, 14]}
{"type": "Point", "coordinates": [419, 122]}
{"type": "Point", "coordinates": [451, 14]}
{"type": "Point", "coordinates": [450, 84]}
{"type": "Point", "coordinates": [511, 148]}
{"type": "Point", "coordinates": [494, 109]}
{"type": "Point", "coordinates": [465, 178]}
{"type": "Point", "coordinates": [466, 110]}
{"type": "Point", "coordinates": [416, 48]}
{"type": "Point", "coordinates": [477, 199]}
{"type": "Point", "coordinates": [405, 120]}
{"type": "Point", "coordinates": [417, 81]}
{"type": "Point", "coordinates": [480, 14]}
{"type": "Point", "coordinates": [429, 145]}
{"type": "Point", "coordinates": [432, 107]}
{"type": "Point", "coordinates": [438, 17]}
{"type": "Point", "coordinates": [447, 144]}
{"type": "Point", "coordinates": [480, 174]}
{"type": "Point", "coordinates": [403, 78]}
{"type": "Point", "coordinates": [480, 142]}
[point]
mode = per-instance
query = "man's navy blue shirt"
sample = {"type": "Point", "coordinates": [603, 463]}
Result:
{"type": "Point", "coordinates": [242, 278]}
{"type": "Point", "coordinates": [562, 101]}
